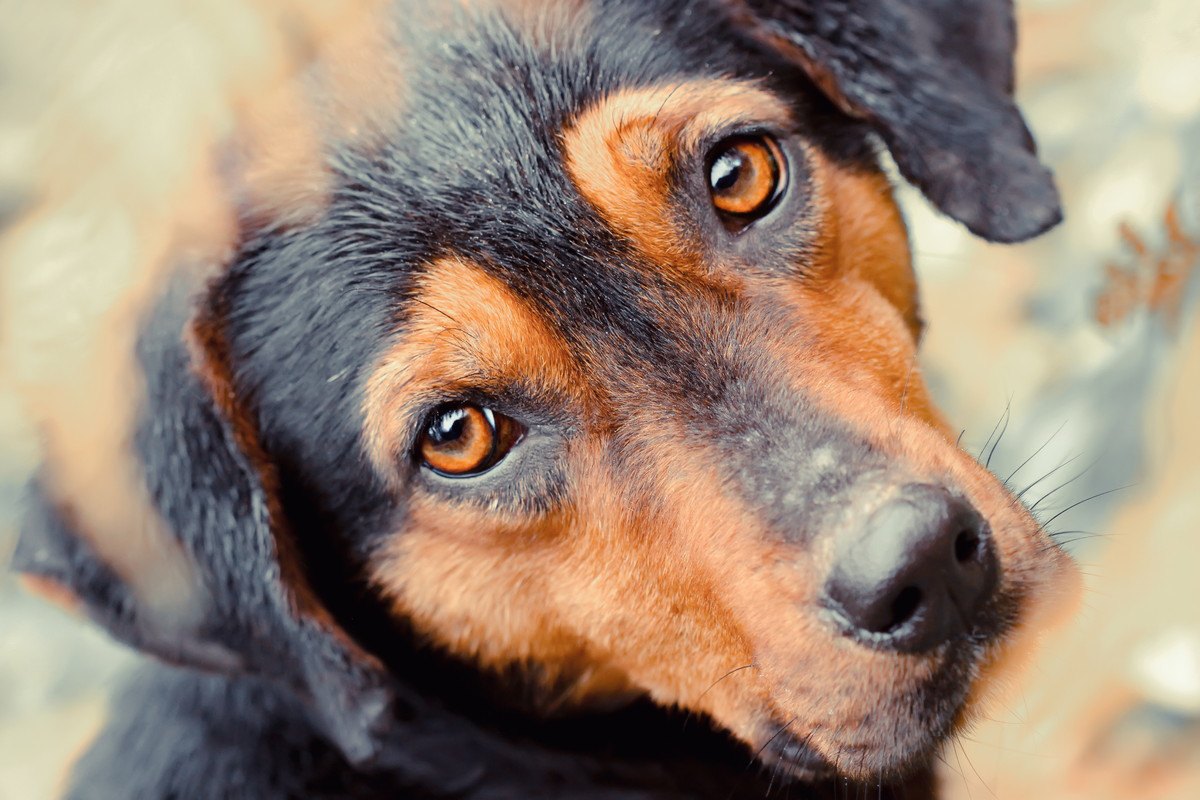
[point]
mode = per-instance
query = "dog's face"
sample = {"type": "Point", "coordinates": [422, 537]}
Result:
{"type": "Point", "coordinates": [585, 333]}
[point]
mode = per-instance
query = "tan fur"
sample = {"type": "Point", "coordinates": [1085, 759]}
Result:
{"type": "Point", "coordinates": [867, 232]}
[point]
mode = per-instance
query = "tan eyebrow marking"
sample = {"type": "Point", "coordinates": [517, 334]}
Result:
{"type": "Point", "coordinates": [463, 325]}
{"type": "Point", "coordinates": [619, 153]}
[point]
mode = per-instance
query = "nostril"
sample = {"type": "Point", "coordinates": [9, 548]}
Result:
{"type": "Point", "coordinates": [904, 608]}
{"type": "Point", "coordinates": [966, 546]}
{"type": "Point", "coordinates": [916, 573]}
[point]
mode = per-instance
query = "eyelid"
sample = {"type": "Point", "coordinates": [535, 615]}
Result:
{"type": "Point", "coordinates": [510, 401]}
{"type": "Point", "coordinates": [701, 145]}
{"type": "Point", "coordinates": [692, 156]}
{"type": "Point", "coordinates": [412, 417]}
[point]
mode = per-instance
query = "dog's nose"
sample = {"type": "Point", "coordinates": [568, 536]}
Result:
{"type": "Point", "coordinates": [916, 573]}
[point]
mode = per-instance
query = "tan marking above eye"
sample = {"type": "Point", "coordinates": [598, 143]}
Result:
{"type": "Point", "coordinates": [620, 152]}
{"type": "Point", "coordinates": [466, 439]}
{"type": "Point", "coordinates": [745, 174]}
{"type": "Point", "coordinates": [464, 326]}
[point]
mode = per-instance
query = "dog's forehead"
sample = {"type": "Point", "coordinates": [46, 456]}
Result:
{"type": "Point", "coordinates": [489, 90]}
{"type": "Point", "coordinates": [455, 150]}
{"type": "Point", "coordinates": [476, 166]}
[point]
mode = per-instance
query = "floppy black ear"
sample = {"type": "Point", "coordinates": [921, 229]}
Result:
{"type": "Point", "coordinates": [935, 80]}
{"type": "Point", "coordinates": [217, 583]}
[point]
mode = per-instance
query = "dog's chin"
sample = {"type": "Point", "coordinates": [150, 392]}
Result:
{"type": "Point", "coordinates": [900, 733]}
{"type": "Point", "coordinates": [867, 757]}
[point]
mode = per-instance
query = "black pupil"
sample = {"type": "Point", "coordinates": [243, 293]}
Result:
{"type": "Point", "coordinates": [449, 426]}
{"type": "Point", "coordinates": [726, 170]}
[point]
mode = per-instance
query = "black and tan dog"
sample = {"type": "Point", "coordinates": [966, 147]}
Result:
{"type": "Point", "coordinates": [558, 390]}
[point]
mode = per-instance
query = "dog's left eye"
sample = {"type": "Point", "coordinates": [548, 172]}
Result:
{"type": "Point", "coordinates": [464, 440]}
{"type": "Point", "coordinates": [745, 178]}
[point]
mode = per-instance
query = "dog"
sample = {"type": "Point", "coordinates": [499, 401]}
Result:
{"type": "Point", "coordinates": [550, 425]}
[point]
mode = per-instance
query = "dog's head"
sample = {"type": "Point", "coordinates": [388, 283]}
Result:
{"type": "Point", "coordinates": [582, 337]}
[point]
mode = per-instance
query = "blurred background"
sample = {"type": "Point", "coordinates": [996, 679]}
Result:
{"type": "Point", "coordinates": [1082, 349]}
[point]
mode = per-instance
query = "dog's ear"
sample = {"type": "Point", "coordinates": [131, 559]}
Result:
{"type": "Point", "coordinates": [202, 571]}
{"type": "Point", "coordinates": [935, 80]}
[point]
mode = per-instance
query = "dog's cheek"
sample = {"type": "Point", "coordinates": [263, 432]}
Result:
{"type": "Point", "coordinates": [669, 546]}
{"type": "Point", "coordinates": [591, 605]}
{"type": "Point", "coordinates": [865, 235]}
{"type": "Point", "coordinates": [476, 585]}
{"type": "Point", "coordinates": [848, 343]}
{"type": "Point", "coordinates": [537, 602]}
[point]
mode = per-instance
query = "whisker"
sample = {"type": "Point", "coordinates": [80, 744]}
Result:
{"type": "Point", "coordinates": [687, 717]}
{"type": "Point", "coordinates": [775, 735]}
{"type": "Point", "coordinates": [1007, 416]}
{"type": "Point", "coordinates": [1065, 543]}
{"type": "Point", "coordinates": [1064, 484]}
{"type": "Point", "coordinates": [434, 308]}
{"type": "Point", "coordinates": [1088, 534]}
{"type": "Point", "coordinates": [1033, 455]}
{"type": "Point", "coordinates": [942, 759]}
{"type": "Point", "coordinates": [666, 100]}
{"type": "Point", "coordinates": [751, 665]}
{"type": "Point", "coordinates": [1023, 492]}
{"type": "Point", "coordinates": [774, 772]}
{"type": "Point", "coordinates": [1087, 500]}
{"type": "Point", "coordinates": [1001, 748]}
{"type": "Point", "coordinates": [967, 756]}
{"type": "Point", "coordinates": [995, 428]}
{"type": "Point", "coordinates": [963, 775]}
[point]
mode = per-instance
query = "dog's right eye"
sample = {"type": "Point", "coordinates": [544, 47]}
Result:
{"type": "Point", "coordinates": [746, 175]}
{"type": "Point", "coordinates": [464, 440]}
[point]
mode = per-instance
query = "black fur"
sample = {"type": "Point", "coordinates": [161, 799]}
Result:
{"type": "Point", "coordinates": [935, 78]}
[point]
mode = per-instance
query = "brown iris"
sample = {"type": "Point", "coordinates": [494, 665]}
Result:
{"type": "Point", "coordinates": [463, 440]}
{"type": "Point", "coordinates": [745, 176]}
